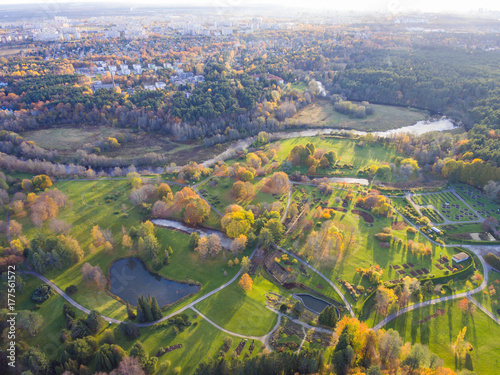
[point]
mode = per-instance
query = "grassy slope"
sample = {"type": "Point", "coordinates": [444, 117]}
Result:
{"type": "Point", "coordinates": [239, 312]}
{"type": "Point", "coordinates": [321, 113]}
{"type": "Point", "coordinates": [440, 333]}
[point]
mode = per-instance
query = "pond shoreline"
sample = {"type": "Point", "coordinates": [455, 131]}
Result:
{"type": "Point", "coordinates": [153, 274]}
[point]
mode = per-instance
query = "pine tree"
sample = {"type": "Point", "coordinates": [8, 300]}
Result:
{"type": "Point", "coordinates": [147, 309]}
{"type": "Point", "coordinates": [155, 309]}
{"type": "Point", "coordinates": [328, 316]}
{"type": "Point", "coordinates": [141, 316]}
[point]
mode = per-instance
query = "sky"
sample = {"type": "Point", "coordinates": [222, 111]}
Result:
{"type": "Point", "coordinates": [341, 5]}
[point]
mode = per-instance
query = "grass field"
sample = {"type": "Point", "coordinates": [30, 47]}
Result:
{"type": "Point", "coordinates": [439, 334]}
{"type": "Point", "coordinates": [240, 312]}
{"type": "Point", "coordinates": [88, 207]}
{"type": "Point", "coordinates": [346, 149]}
{"type": "Point", "coordinates": [47, 338]}
{"type": "Point", "coordinates": [490, 297]}
{"type": "Point", "coordinates": [321, 114]}
{"type": "Point", "coordinates": [219, 195]}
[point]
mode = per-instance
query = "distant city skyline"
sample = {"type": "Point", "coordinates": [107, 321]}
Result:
{"type": "Point", "coordinates": [394, 6]}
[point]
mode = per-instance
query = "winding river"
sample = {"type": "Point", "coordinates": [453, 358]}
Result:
{"type": "Point", "coordinates": [419, 128]}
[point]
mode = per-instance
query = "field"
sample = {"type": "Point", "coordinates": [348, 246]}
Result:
{"type": "Point", "coordinates": [333, 231]}
{"type": "Point", "coordinates": [321, 114]}
{"type": "Point", "coordinates": [455, 210]}
{"type": "Point", "coordinates": [490, 297]}
{"type": "Point", "coordinates": [346, 149]}
{"type": "Point", "coordinates": [440, 332]}
{"type": "Point", "coordinates": [217, 191]}
{"type": "Point", "coordinates": [88, 207]}
{"type": "Point", "coordinates": [240, 313]}
{"type": "Point", "coordinates": [67, 139]}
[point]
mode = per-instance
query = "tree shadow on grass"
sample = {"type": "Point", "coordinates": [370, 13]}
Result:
{"type": "Point", "coordinates": [450, 322]}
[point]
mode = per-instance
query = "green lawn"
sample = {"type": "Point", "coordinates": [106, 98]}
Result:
{"type": "Point", "coordinates": [439, 334]}
{"type": "Point", "coordinates": [490, 297]}
{"type": "Point", "coordinates": [89, 205]}
{"type": "Point", "coordinates": [47, 338]}
{"type": "Point", "coordinates": [200, 342]}
{"type": "Point", "coordinates": [219, 195]}
{"type": "Point", "coordinates": [240, 312]}
{"type": "Point", "coordinates": [346, 149]}
{"type": "Point", "coordinates": [321, 114]}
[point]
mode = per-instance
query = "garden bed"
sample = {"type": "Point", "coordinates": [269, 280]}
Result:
{"type": "Point", "coordinates": [399, 225]}
{"type": "Point", "coordinates": [368, 218]}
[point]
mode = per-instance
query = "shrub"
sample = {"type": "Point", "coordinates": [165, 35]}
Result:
{"type": "Point", "coordinates": [411, 230]}
{"type": "Point", "coordinates": [492, 260]}
{"type": "Point", "coordinates": [129, 330]}
{"type": "Point", "coordinates": [41, 293]}
{"type": "Point", "coordinates": [72, 289]}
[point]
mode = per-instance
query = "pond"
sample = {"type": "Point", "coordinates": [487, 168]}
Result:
{"type": "Point", "coordinates": [314, 304]}
{"type": "Point", "coordinates": [129, 279]}
{"type": "Point", "coordinates": [202, 232]}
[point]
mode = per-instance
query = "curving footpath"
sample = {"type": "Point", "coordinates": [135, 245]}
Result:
{"type": "Point", "coordinates": [148, 324]}
{"type": "Point", "coordinates": [437, 300]}
{"type": "Point", "coordinates": [347, 304]}
{"type": "Point", "coordinates": [483, 309]}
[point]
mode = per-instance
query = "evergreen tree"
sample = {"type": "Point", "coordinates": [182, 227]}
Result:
{"type": "Point", "coordinates": [147, 309]}
{"type": "Point", "coordinates": [141, 315]}
{"type": "Point", "coordinates": [155, 309]}
{"type": "Point", "coordinates": [130, 313]}
{"type": "Point", "coordinates": [328, 316]}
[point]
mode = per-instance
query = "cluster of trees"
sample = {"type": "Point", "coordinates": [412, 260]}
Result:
{"type": "Point", "coordinates": [191, 206]}
{"type": "Point", "coordinates": [208, 246]}
{"type": "Point", "coordinates": [376, 203]}
{"type": "Point", "coordinates": [328, 317]}
{"type": "Point", "coordinates": [308, 155]}
{"type": "Point", "coordinates": [148, 309]}
{"type": "Point", "coordinates": [349, 108]}
{"type": "Point", "coordinates": [46, 252]}
{"type": "Point", "coordinates": [357, 350]}
{"type": "Point", "coordinates": [94, 276]}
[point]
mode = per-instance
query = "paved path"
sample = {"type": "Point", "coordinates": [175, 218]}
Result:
{"type": "Point", "coordinates": [262, 339]}
{"type": "Point", "coordinates": [202, 197]}
{"type": "Point", "coordinates": [148, 324]}
{"type": "Point", "coordinates": [303, 340]}
{"type": "Point", "coordinates": [484, 309]}
{"type": "Point", "coordinates": [288, 203]}
{"type": "Point", "coordinates": [351, 311]}
{"type": "Point", "coordinates": [437, 300]}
